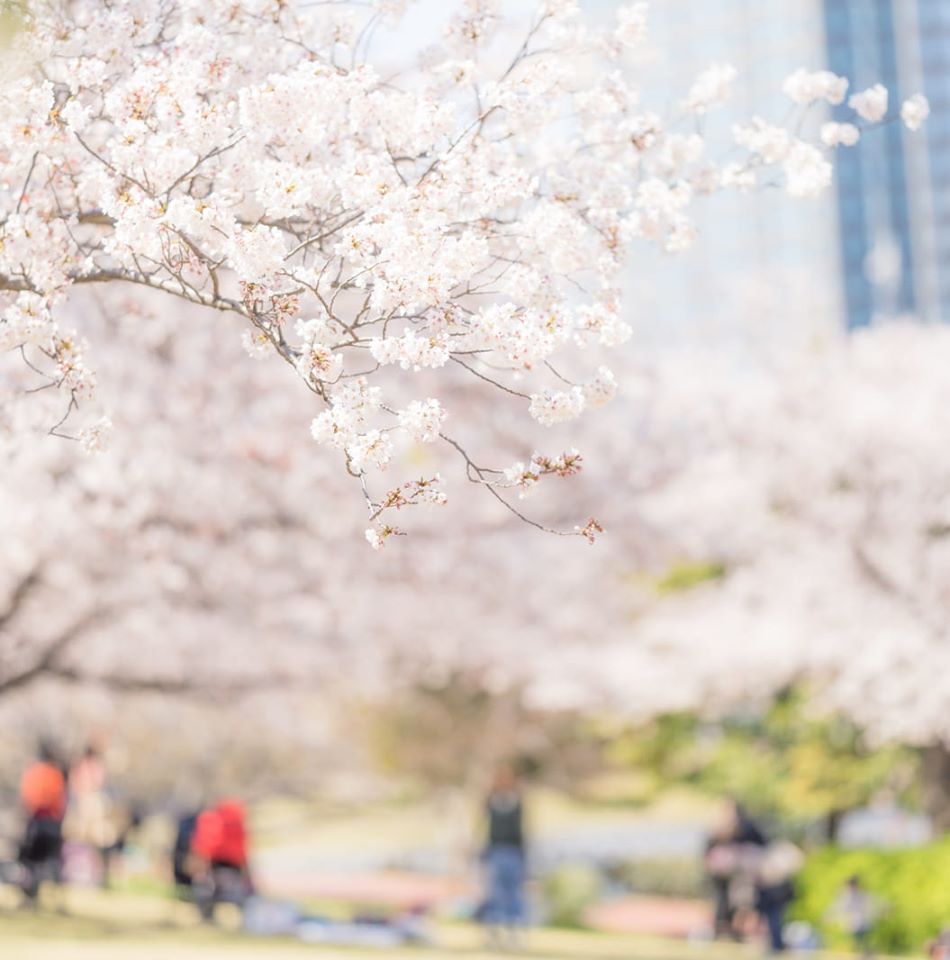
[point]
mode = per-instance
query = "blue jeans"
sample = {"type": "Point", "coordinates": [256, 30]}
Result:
{"type": "Point", "coordinates": [506, 875]}
{"type": "Point", "coordinates": [775, 920]}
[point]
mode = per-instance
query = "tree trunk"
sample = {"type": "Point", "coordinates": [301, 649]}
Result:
{"type": "Point", "coordinates": [832, 825]}
{"type": "Point", "coordinates": [935, 770]}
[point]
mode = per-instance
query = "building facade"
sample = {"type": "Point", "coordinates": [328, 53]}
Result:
{"type": "Point", "coordinates": [766, 264]}
{"type": "Point", "coordinates": [894, 188]}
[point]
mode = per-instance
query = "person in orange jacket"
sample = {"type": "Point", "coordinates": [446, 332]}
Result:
{"type": "Point", "coordinates": [43, 798]}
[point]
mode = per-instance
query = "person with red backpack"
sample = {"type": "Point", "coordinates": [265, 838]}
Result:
{"type": "Point", "coordinates": [219, 858]}
{"type": "Point", "coordinates": [43, 798]}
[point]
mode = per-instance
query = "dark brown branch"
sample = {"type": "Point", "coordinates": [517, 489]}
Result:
{"type": "Point", "coordinates": [204, 687]}
{"type": "Point", "coordinates": [47, 663]}
{"type": "Point", "coordinates": [18, 597]}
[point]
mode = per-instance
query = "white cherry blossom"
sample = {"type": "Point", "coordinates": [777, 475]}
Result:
{"type": "Point", "coordinates": [839, 134]}
{"type": "Point", "coordinates": [712, 88]}
{"type": "Point", "coordinates": [914, 111]}
{"type": "Point", "coordinates": [805, 88]}
{"type": "Point", "coordinates": [386, 236]}
{"type": "Point", "coordinates": [870, 104]}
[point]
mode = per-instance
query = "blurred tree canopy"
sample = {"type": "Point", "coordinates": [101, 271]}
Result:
{"type": "Point", "coordinates": [789, 760]}
{"type": "Point", "coordinates": [451, 731]}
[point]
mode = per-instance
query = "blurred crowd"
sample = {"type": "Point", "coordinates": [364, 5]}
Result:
{"type": "Point", "coordinates": [751, 875]}
{"type": "Point", "coordinates": [63, 801]}
{"type": "Point", "coordinates": [68, 804]}
{"type": "Point", "coordinates": [752, 878]}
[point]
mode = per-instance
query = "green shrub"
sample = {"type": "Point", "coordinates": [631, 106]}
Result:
{"type": "Point", "coordinates": [912, 887]}
{"type": "Point", "coordinates": [568, 892]}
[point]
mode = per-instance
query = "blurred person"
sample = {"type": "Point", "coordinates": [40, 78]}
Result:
{"type": "Point", "coordinates": [721, 862]}
{"type": "Point", "coordinates": [504, 910]}
{"type": "Point", "coordinates": [856, 909]}
{"type": "Point", "coordinates": [751, 843]}
{"type": "Point", "coordinates": [747, 831]}
{"type": "Point", "coordinates": [181, 851]}
{"type": "Point", "coordinates": [218, 865]}
{"type": "Point", "coordinates": [43, 799]}
{"type": "Point", "coordinates": [126, 820]}
{"type": "Point", "coordinates": [91, 819]}
{"type": "Point", "coordinates": [731, 862]}
{"type": "Point", "coordinates": [775, 889]}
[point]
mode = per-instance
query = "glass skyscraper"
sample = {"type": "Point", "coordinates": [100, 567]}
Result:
{"type": "Point", "coordinates": [877, 247]}
{"type": "Point", "coordinates": [894, 188]}
{"type": "Point", "coordinates": [764, 262]}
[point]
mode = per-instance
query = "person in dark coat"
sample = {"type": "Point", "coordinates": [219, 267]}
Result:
{"type": "Point", "coordinates": [729, 861]}
{"type": "Point", "coordinates": [772, 900]}
{"type": "Point", "coordinates": [504, 856]}
{"type": "Point", "coordinates": [746, 829]}
{"type": "Point", "coordinates": [775, 889]}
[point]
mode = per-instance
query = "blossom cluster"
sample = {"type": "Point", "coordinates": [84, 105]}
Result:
{"type": "Point", "coordinates": [251, 158]}
{"type": "Point", "coordinates": [427, 490]}
{"type": "Point", "coordinates": [526, 477]}
{"type": "Point", "coordinates": [805, 165]}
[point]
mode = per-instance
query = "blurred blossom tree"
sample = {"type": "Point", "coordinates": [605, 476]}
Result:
{"type": "Point", "coordinates": [385, 236]}
{"type": "Point", "coordinates": [140, 570]}
{"type": "Point", "coordinates": [405, 243]}
{"type": "Point", "coordinates": [451, 732]}
{"type": "Point", "coordinates": [822, 493]}
{"type": "Point", "coordinates": [174, 751]}
{"type": "Point", "coordinates": [192, 536]}
{"type": "Point", "coordinates": [203, 557]}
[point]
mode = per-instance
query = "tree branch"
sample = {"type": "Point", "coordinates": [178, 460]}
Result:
{"type": "Point", "coordinates": [18, 597]}
{"type": "Point", "coordinates": [47, 664]}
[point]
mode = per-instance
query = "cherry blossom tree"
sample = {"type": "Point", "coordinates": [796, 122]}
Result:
{"type": "Point", "coordinates": [183, 557]}
{"type": "Point", "coordinates": [436, 253]}
{"type": "Point", "coordinates": [803, 490]}
{"type": "Point", "coordinates": [818, 492]}
{"type": "Point", "coordinates": [200, 570]}
{"type": "Point", "coordinates": [387, 234]}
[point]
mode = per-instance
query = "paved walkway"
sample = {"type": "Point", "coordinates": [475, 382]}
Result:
{"type": "Point", "coordinates": [399, 890]}
{"type": "Point", "coordinates": [404, 890]}
{"type": "Point", "coordinates": [658, 916]}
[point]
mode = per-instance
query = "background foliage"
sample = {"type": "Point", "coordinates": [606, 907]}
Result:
{"type": "Point", "coordinates": [912, 888]}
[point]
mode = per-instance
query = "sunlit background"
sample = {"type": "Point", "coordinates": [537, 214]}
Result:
{"type": "Point", "coordinates": [764, 620]}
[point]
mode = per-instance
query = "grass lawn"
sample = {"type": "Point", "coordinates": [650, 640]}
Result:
{"type": "Point", "coordinates": [118, 926]}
